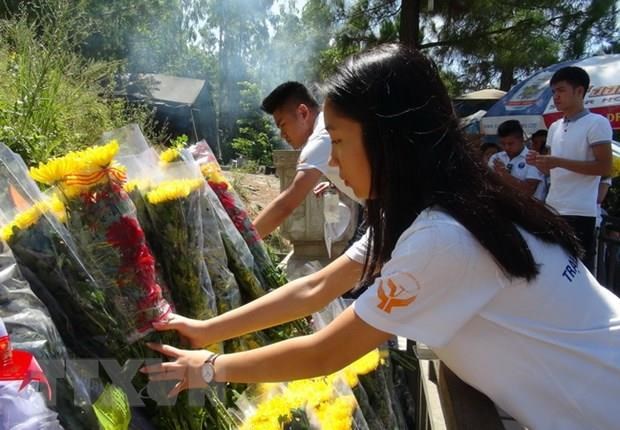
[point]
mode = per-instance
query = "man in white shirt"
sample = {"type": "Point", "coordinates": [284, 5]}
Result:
{"type": "Point", "coordinates": [300, 120]}
{"type": "Point", "coordinates": [510, 164]}
{"type": "Point", "coordinates": [580, 145]}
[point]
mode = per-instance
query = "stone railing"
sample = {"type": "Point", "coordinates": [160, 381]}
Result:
{"type": "Point", "coordinates": [304, 227]}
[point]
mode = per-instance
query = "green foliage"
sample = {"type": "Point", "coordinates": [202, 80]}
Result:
{"type": "Point", "coordinates": [256, 134]}
{"type": "Point", "coordinates": [496, 42]}
{"type": "Point", "coordinates": [51, 99]}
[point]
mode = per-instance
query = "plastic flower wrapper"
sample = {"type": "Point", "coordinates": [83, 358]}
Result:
{"type": "Point", "coordinates": [236, 210]}
{"type": "Point", "coordinates": [316, 403]}
{"type": "Point", "coordinates": [225, 287]}
{"type": "Point", "coordinates": [140, 177]}
{"type": "Point", "coordinates": [370, 378]}
{"type": "Point", "coordinates": [174, 206]}
{"type": "Point", "coordinates": [48, 258]}
{"type": "Point", "coordinates": [31, 329]}
{"type": "Point", "coordinates": [102, 219]}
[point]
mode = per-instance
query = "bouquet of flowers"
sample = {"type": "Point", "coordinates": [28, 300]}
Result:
{"type": "Point", "coordinates": [48, 258]}
{"type": "Point", "coordinates": [103, 221]}
{"type": "Point", "coordinates": [234, 207]}
{"type": "Point", "coordinates": [174, 207]}
{"type": "Point", "coordinates": [225, 287]}
{"type": "Point", "coordinates": [317, 403]}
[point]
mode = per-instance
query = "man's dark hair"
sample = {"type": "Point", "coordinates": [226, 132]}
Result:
{"type": "Point", "coordinates": [511, 127]}
{"type": "Point", "coordinates": [540, 133]}
{"type": "Point", "coordinates": [288, 92]}
{"type": "Point", "coordinates": [574, 76]}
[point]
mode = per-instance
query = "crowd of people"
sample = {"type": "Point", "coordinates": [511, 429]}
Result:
{"type": "Point", "coordinates": [567, 167]}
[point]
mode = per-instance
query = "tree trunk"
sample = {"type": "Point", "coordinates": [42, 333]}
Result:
{"type": "Point", "coordinates": [507, 78]}
{"type": "Point", "coordinates": [410, 23]}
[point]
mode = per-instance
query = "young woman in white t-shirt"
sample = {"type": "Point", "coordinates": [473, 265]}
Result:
{"type": "Point", "coordinates": [487, 277]}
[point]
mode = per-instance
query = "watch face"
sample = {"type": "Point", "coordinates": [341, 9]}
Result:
{"type": "Point", "coordinates": [208, 372]}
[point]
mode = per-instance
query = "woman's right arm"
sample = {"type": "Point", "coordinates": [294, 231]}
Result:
{"type": "Point", "coordinates": [294, 300]}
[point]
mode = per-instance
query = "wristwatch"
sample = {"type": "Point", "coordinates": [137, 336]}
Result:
{"type": "Point", "coordinates": [208, 369]}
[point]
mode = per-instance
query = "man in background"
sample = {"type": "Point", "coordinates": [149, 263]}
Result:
{"type": "Point", "coordinates": [510, 164]}
{"type": "Point", "coordinates": [300, 121]}
{"type": "Point", "coordinates": [580, 154]}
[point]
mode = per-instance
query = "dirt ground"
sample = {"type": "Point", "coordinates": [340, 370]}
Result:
{"type": "Point", "coordinates": [257, 191]}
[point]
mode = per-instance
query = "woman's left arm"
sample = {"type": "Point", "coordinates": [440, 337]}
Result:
{"type": "Point", "coordinates": [344, 340]}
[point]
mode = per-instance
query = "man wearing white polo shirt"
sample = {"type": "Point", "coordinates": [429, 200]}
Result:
{"type": "Point", "coordinates": [300, 120]}
{"type": "Point", "coordinates": [510, 164]}
{"type": "Point", "coordinates": [580, 145]}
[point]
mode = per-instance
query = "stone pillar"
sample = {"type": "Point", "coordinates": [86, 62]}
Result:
{"type": "Point", "coordinates": [304, 227]}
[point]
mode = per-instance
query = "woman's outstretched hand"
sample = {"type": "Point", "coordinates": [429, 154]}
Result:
{"type": "Point", "coordinates": [186, 367]}
{"type": "Point", "coordinates": [193, 331]}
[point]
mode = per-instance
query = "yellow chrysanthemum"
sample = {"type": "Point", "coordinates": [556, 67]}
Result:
{"type": "Point", "coordinates": [173, 190]}
{"type": "Point", "coordinates": [26, 218]}
{"type": "Point", "coordinates": [56, 207]}
{"type": "Point", "coordinates": [268, 414]}
{"type": "Point", "coordinates": [213, 173]}
{"type": "Point", "coordinates": [338, 414]}
{"type": "Point", "coordinates": [361, 366]}
{"type": "Point", "coordinates": [6, 232]}
{"type": "Point", "coordinates": [54, 170]}
{"type": "Point", "coordinates": [169, 155]}
{"type": "Point", "coordinates": [99, 156]}
{"type": "Point", "coordinates": [310, 392]}
{"type": "Point", "coordinates": [615, 167]}
{"type": "Point", "coordinates": [139, 184]}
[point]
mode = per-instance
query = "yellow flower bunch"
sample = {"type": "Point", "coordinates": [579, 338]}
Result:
{"type": "Point", "coordinates": [79, 170]}
{"type": "Point", "coordinates": [169, 155]}
{"type": "Point", "coordinates": [361, 366]}
{"type": "Point", "coordinates": [30, 216]}
{"type": "Point", "coordinates": [55, 170]}
{"type": "Point", "coordinates": [140, 184]}
{"type": "Point", "coordinates": [269, 413]}
{"type": "Point", "coordinates": [98, 157]}
{"type": "Point", "coordinates": [173, 190]}
{"type": "Point", "coordinates": [615, 167]}
{"type": "Point", "coordinates": [310, 392]}
{"type": "Point", "coordinates": [213, 173]}
{"type": "Point", "coordinates": [338, 414]}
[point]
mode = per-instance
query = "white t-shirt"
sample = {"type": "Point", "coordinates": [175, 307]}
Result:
{"type": "Point", "coordinates": [315, 155]}
{"type": "Point", "coordinates": [547, 352]}
{"type": "Point", "coordinates": [520, 170]}
{"type": "Point", "coordinates": [572, 193]}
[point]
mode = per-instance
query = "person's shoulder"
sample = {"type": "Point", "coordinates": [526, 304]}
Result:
{"type": "Point", "coordinates": [435, 222]}
{"type": "Point", "coordinates": [319, 135]}
{"type": "Point", "coordinates": [598, 120]}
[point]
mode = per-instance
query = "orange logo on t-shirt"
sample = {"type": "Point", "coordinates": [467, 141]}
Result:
{"type": "Point", "coordinates": [391, 299]}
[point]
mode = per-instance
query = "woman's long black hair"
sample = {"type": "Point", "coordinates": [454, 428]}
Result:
{"type": "Point", "coordinates": [419, 158]}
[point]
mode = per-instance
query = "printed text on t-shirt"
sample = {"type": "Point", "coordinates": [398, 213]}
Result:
{"type": "Point", "coordinates": [571, 269]}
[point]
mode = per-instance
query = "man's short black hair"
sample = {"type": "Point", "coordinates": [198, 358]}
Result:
{"type": "Point", "coordinates": [540, 133]}
{"type": "Point", "coordinates": [574, 76]}
{"type": "Point", "coordinates": [512, 127]}
{"type": "Point", "coordinates": [288, 92]}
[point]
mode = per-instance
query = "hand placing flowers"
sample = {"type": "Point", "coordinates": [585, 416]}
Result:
{"type": "Point", "coordinates": [186, 367]}
{"type": "Point", "coordinates": [192, 331]}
